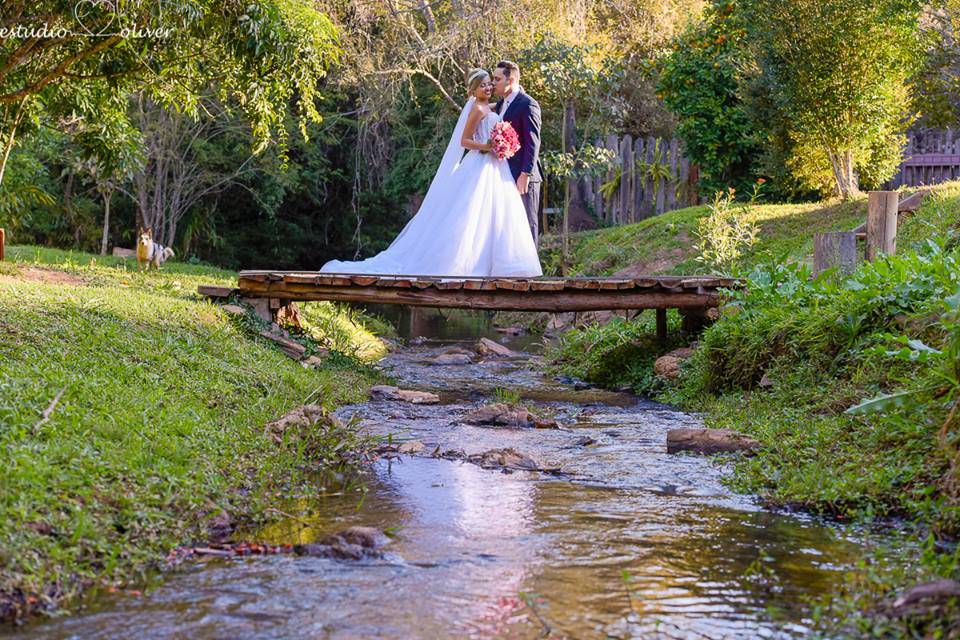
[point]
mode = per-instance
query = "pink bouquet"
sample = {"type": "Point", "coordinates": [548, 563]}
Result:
{"type": "Point", "coordinates": [504, 140]}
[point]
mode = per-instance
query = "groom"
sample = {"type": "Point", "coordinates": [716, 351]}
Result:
{"type": "Point", "coordinates": [523, 113]}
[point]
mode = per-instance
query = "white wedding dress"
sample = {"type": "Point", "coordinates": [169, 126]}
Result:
{"type": "Point", "coordinates": [472, 222]}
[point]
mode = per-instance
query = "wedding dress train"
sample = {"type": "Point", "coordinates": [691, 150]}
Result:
{"type": "Point", "coordinates": [472, 222]}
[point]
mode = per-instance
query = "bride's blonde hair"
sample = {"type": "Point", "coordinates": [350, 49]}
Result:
{"type": "Point", "coordinates": [474, 78]}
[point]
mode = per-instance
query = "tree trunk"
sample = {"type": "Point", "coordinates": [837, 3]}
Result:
{"type": "Point", "coordinates": [428, 17]}
{"type": "Point", "coordinates": [9, 139]}
{"type": "Point", "coordinates": [570, 143]}
{"type": "Point", "coordinates": [107, 196]}
{"type": "Point", "coordinates": [566, 202]}
{"type": "Point", "coordinates": [845, 181]}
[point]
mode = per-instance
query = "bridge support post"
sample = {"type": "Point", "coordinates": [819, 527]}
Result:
{"type": "Point", "coordinates": [661, 326]}
{"type": "Point", "coordinates": [693, 321]}
{"type": "Point", "coordinates": [275, 310]}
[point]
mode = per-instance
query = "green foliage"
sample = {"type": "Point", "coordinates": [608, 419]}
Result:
{"type": "Point", "coordinates": [723, 233]}
{"type": "Point", "coordinates": [115, 478]}
{"type": "Point", "coordinates": [937, 81]}
{"type": "Point", "coordinates": [699, 83]}
{"type": "Point", "coordinates": [17, 198]}
{"type": "Point", "coordinates": [822, 346]}
{"type": "Point", "coordinates": [785, 312]}
{"type": "Point", "coordinates": [39, 165]}
{"type": "Point", "coordinates": [507, 396]}
{"type": "Point", "coordinates": [938, 218]}
{"type": "Point", "coordinates": [568, 75]}
{"type": "Point", "coordinates": [836, 72]}
{"type": "Point", "coordinates": [619, 353]}
{"type": "Point", "coordinates": [586, 160]}
{"type": "Point", "coordinates": [343, 329]}
{"type": "Point", "coordinates": [262, 56]}
{"type": "Point", "coordinates": [814, 94]}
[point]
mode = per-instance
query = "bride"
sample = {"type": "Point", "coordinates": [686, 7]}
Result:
{"type": "Point", "coordinates": [472, 221]}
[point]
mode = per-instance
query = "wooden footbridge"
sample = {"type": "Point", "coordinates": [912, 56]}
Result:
{"type": "Point", "coordinates": [272, 291]}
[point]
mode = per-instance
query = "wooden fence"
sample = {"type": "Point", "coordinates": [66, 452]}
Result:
{"type": "Point", "coordinates": [650, 176]}
{"type": "Point", "coordinates": [931, 156]}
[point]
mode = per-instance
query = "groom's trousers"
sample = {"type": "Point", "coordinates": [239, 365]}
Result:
{"type": "Point", "coordinates": [531, 202]}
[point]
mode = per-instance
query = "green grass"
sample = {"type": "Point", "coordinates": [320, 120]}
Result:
{"type": "Point", "coordinates": [160, 423]}
{"type": "Point", "coordinates": [664, 244]}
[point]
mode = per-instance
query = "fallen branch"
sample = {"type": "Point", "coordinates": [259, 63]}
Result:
{"type": "Point", "coordinates": [45, 416]}
{"type": "Point", "coordinates": [303, 523]}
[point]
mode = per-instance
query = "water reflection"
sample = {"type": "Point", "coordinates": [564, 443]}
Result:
{"type": "Point", "coordinates": [450, 325]}
{"type": "Point", "coordinates": [634, 565]}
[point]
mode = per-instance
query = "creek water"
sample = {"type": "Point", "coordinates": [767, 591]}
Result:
{"type": "Point", "coordinates": [625, 541]}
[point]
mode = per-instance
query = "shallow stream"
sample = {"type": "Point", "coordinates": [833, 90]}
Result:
{"type": "Point", "coordinates": [625, 541]}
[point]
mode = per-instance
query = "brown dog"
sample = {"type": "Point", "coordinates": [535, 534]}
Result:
{"type": "Point", "coordinates": [149, 252]}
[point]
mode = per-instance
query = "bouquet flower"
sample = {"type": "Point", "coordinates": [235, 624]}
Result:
{"type": "Point", "coordinates": [504, 140]}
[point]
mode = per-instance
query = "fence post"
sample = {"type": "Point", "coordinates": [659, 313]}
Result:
{"type": "Point", "coordinates": [626, 179]}
{"type": "Point", "coordinates": [651, 205]}
{"type": "Point", "coordinates": [638, 150]}
{"type": "Point", "coordinates": [3, 239]}
{"type": "Point", "coordinates": [613, 145]}
{"type": "Point", "coordinates": [835, 249]}
{"type": "Point", "coordinates": [881, 223]}
{"type": "Point", "coordinates": [674, 181]}
{"type": "Point", "coordinates": [662, 182]}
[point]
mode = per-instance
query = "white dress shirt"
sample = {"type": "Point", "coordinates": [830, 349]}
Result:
{"type": "Point", "coordinates": [509, 99]}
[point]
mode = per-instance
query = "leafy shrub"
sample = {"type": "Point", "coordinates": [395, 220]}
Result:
{"type": "Point", "coordinates": [725, 232]}
{"type": "Point", "coordinates": [619, 353]}
{"type": "Point", "coordinates": [699, 84]}
{"type": "Point", "coordinates": [784, 312]}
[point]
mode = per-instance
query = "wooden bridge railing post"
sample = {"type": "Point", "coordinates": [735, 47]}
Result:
{"type": "Point", "coordinates": [882, 209]}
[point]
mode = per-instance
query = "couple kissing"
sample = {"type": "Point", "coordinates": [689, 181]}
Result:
{"type": "Point", "coordinates": [479, 217]}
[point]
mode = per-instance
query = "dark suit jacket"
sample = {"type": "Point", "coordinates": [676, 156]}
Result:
{"type": "Point", "coordinates": [524, 116]}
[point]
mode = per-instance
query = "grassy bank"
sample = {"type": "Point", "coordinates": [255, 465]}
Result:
{"type": "Point", "coordinates": [664, 244]}
{"type": "Point", "coordinates": [851, 384]}
{"type": "Point", "coordinates": [132, 412]}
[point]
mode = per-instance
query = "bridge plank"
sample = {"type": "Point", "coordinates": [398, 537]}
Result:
{"type": "Point", "coordinates": [583, 283]}
{"type": "Point", "coordinates": [479, 285]}
{"type": "Point", "coordinates": [399, 283]}
{"type": "Point", "coordinates": [512, 284]}
{"type": "Point", "coordinates": [547, 285]}
{"type": "Point", "coordinates": [616, 283]}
